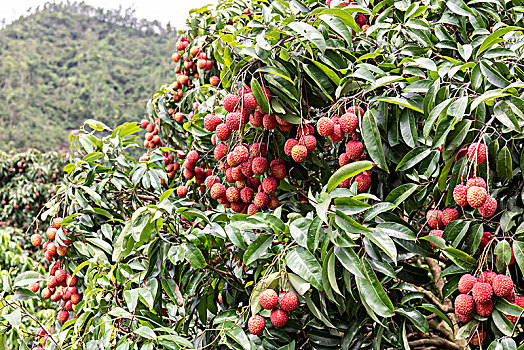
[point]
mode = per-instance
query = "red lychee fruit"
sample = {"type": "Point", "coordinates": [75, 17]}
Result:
{"type": "Point", "coordinates": [270, 185]}
{"type": "Point", "coordinates": [482, 292]}
{"type": "Point", "coordinates": [434, 218]}
{"type": "Point", "coordinates": [232, 194]}
{"type": "Point", "coordinates": [230, 102]}
{"type": "Point", "coordinates": [252, 209]}
{"type": "Point", "coordinates": [211, 121]}
{"type": "Point", "coordinates": [279, 318]}
{"type": "Point", "coordinates": [464, 304]}
{"type": "Point", "coordinates": [449, 215]}
{"type": "Point", "coordinates": [484, 309]}
{"type": "Point", "coordinates": [476, 196]}
{"type": "Point", "coordinates": [51, 248]}
{"type": "Point", "coordinates": [256, 324]}
{"type": "Point", "coordinates": [243, 90]}
{"type": "Point", "coordinates": [478, 337]}
{"type": "Point", "coordinates": [247, 194]}
{"type": "Point", "coordinates": [36, 240]}
{"type": "Point", "coordinates": [51, 233]}
{"type": "Point", "coordinates": [268, 299]}
{"type": "Point", "coordinates": [288, 301]}
{"type": "Point", "coordinates": [343, 159]}
{"type": "Point", "coordinates": [247, 168]}
{"type": "Point", "coordinates": [46, 293]}
{"type": "Point", "coordinates": [348, 123]}
{"type": "Point", "coordinates": [279, 172]}
{"type": "Point", "coordinates": [260, 165]}
{"type": "Point", "coordinates": [257, 119]}
{"type": "Point", "coordinates": [476, 181]}
{"type": "Point", "coordinates": [223, 132]}
{"type": "Point", "coordinates": [61, 275]}
{"type": "Point", "coordinates": [325, 126]}
{"type": "Point", "coordinates": [460, 195]}
{"type": "Point", "coordinates": [192, 157]}
{"type": "Point", "coordinates": [363, 181]}
{"type": "Point", "coordinates": [234, 120]}
{"type": "Point", "coordinates": [299, 153]}
{"type": "Point", "coordinates": [269, 122]}
{"type": "Point", "coordinates": [466, 283]}
{"type": "Point", "coordinates": [337, 134]}
{"type": "Point", "coordinates": [218, 191]}
{"type": "Point", "coordinates": [220, 151]}
{"type": "Point", "coordinates": [361, 20]}
{"type": "Point", "coordinates": [502, 285]}
{"type": "Point", "coordinates": [237, 207]}
{"type": "Point", "coordinates": [477, 152]}
{"type": "Point", "coordinates": [63, 316]}
{"type": "Point", "coordinates": [182, 191]}
{"type": "Point", "coordinates": [71, 281]}
{"type": "Point", "coordinates": [310, 142]}
{"type": "Point", "coordinates": [489, 207]}
{"type": "Point", "coordinates": [487, 277]}
{"type": "Point", "coordinates": [34, 287]}
{"type": "Point", "coordinates": [355, 110]}
{"type": "Point", "coordinates": [354, 149]}
{"type": "Point", "coordinates": [57, 222]}
{"type": "Point", "coordinates": [463, 318]}
{"type": "Point", "coordinates": [51, 282]}
{"type": "Point", "coordinates": [258, 149]}
{"type": "Point", "coordinates": [211, 180]}
{"type": "Point", "coordinates": [290, 143]}
{"type": "Point", "coordinates": [76, 298]}
{"type": "Point", "coordinates": [436, 233]}
{"type": "Point", "coordinates": [261, 200]}
{"type": "Point", "coordinates": [239, 155]}
{"type": "Point", "coordinates": [249, 102]}
{"type": "Point", "coordinates": [273, 202]}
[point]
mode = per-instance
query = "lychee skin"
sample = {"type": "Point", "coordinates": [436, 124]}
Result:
{"type": "Point", "coordinates": [355, 110]}
{"type": "Point", "coordinates": [325, 126]}
{"type": "Point", "coordinates": [477, 152]}
{"type": "Point", "coordinates": [464, 304]}
{"type": "Point", "coordinates": [337, 134]}
{"type": "Point", "coordinates": [234, 121]}
{"type": "Point", "coordinates": [246, 195]}
{"type": "Point", "coordinates": [290, 143]}
{"type": "Point", "coordinates": [434, 218]}
{"type": "Point", "coordinates": [218, 191]}
{"type": "Point", "coordinates": [279, 172]}
{"type": "Point", "coordinates": [230, 102]}
{"type": "Point", "coordinates": [279, 318]}
{"type": "Point", "coordinates": [232, 194]}
{"type": "Point", "coordinates": [476, 181]}
{"type": "Point", "coordinates": [482, 292]}
{"type": "Point", "coordinates": [252, 209]}
{"type": "Point", "coordinates": [223, 132]}
{"type": "Point", "coordinates": [464, 318]}
{"type": "Point", "coordinates": [299, 153]}
{"type": "Point", "coordinates": [487, 277]}
{"type": "Point", "coordinates": [310, 142]}
{"type": "Point", "coordinates": [343, 159]}
{"type": "Point", "coordinates": [34, 287]}
{"type": "Point", "coordinates": [36, 240]}
{"type": "Point", "coordinates": [261, 201]}
{"type": "Point", "coordinates": [181, 191]}
{"type": "Point", "coordinates": [484, 309]}
{"type": "Point", "coordinates": [489, 207]}
{"type": "Point", "coordinates": [476, 196]}
{"type": "Point", "coordinates": [354, 149]}
{"type": "Point", "coordinates": [502, 285]}
{"type": "Point", "coordinates": [220, 151]}
{"type": "Point", "coordinates": [273, 203]}
{"type": "Point", "coordinates": [256, 324]}
{"type": "Point", "coordinates": [192, 157]}
{"type": "Point", "coordinates": [268, 299]}
{"type": "Point", "coordinates": [239, 155]}
{"type": "Point", "coordinates": [260, 165]}
{"type": "Point", "coordinates": [460, 195]}
{"type": "Point", "coordinates": [60, 275]}
{"type": "Point", "coordinates": [449, 215]}
{"type": "Point", "coordinates": [63, 316]}
{"type": "Point", "coordinates": [288, 301]}
{"type": "Point", "coordinates": [478, 337]}
{"type": "Point", "coordinates": [269, 122]}
{"type": "Point", "coordinates": [270, 185]}
{"type": "Point", "coordinates": [363, 181]}
{"type": "Point", "coordinates": [249, 102]}
{"type": "Point", "coordinates": [348, 123]}
{"type": "Point", "coordinates": [435, 233]}
{"type": "Point", "coordinates": [211, 122]}
{"type": "Point", "coordinates": [466, 283]}
{"type": "Point", "coordinates": [257, 119]}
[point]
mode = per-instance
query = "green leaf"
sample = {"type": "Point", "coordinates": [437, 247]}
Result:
{"type": "Point", "coordinates": [258, 248]}
{"type": "Point", "coordinates": [460, 258]}
{"type": "Point", "coordinates": [503, 251]}
{"type": "Point", "coordinates": [438, 312]}
{"type": "Point", "coordinates": [194, 255]}
{"type": "Point", "coordinates": [503, 324]}
{"type": "Point", "coordinates": [349, 259]}
{"type": "Point", "coordinates": [26, 278]}
{"type": "Point", "coordinates": [401, 102]}
{"type": "Point", "coordinates": [368, 292]}
{"type": "Point", "coordinates": [415, 317]}
{"type": "Point", "coordinates": [259, 96]}
{"type": "Point", "coordinates": [518, 251]}
{"type": "Point", "coordinates": [317, 312]}
{"type": "Point", "coordinates": [14, 318]}
{"type": "Point", "coordinates": [338, 26]}
{"type": "Point", "coordinates": [413, 157]}
{"type": "Point", "coordinates": [276, 71]}
{"type": "Point", "coordinates": [304, 264]}
{"type": "Point", "coordinates": [389, 79]}
{"type": "Point", "coordinates": [347, 171]}
{"type": "Point", "coordinates": [310, 33]}
{"type": "Point", "coordinates": [145, 332]}
{"type": "Point", "coordinates": [373, 141]}
{"type": "Point", "coordinates": [493, 38]}
{"type": "Point", "coordinates": [270, 281]}
{"type": "Point", "coordinates": [505, 163]}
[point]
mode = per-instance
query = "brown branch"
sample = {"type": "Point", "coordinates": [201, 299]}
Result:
{"type": "Point", "coordinates": [436, 270]}
{"type": "Point", "coordinates": [433, 298]}
{"type": "Point", "coordinates": [438, 342]}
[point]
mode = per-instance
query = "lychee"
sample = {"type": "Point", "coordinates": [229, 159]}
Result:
{"type": "Point", "coordinates": [232, 194]}
{"type": "Point", "coordinates": [230, 102]}
{"type": "Point", "coordinates": [182, 191]}
{"type": "Point", "coordinates": [325, 126]}
{"type": "Point", "coordinates": [464, 304]}
{"type": "Point", "coordinates": [269, 122]}
{"type": "Point", "coordinates": [363, 181]}
{"type": "Point", "coordinates": [337, 134]}
{"type": "Point", "coordinates": [279, 318]}
{"type": "Point", "coordinates": [257, 119]}
{"type": "Point", "coordinates": [354, 149]}
{"type": "Point", "coordinates": [61, 275]}
{"type": "Point", "coordinates": [279, 172]}
{"type": "Point", "coordinates": [76, 298]}
{"type": "Point", "coordinates": [239, 155]}
{"type": "Point", "coordinates": [249, 102]}
{"type": "Point", "coordinates": [234, 120]}
{"type": "Point", "coordinates": [256, 324]}
{"type": "Point", "coordinates": [460, 195]}
{"type": "Point", "coordinates": [36, 240]}
{"type": "Point", "coordinates": [449, 215]}
{"type": "Point", "coordinates": [343, 159]}
{"type": "Point", "coordinates": [220, 151]}
{"type": "Point", "coordinates": [482, 292]}
{"type": "Point", "coordinates": [252, 209]}
{"type": "Point", "coordinates": [434, 218]}
{"type": "Point", "coordinates": [261, 200]}
{"type": "Point", "coordinates": [299, 153]}
{"type": "Point", "coordinates": [34, 287]}
{"type": "Point", "coordinates": [270, 185]}
{"type": "Point", "coordinates": [273, 202]}
{"type": "Point", "coordinates": [211, 180]}
{"type": "Point", "coordinates": [288, 301]}
{"type": "Point", "coordinates": [247, 194]}
{"type": "Point", "coordinates": [348, 123]}
{"type": "Point", "coordinates": [46, 293]}
{"type": "Point", "coordinates": [258, 149]}
{"type": "Point", "coordinates": [484, 309]}
{"type": "Point", "coordinates": [464, 318]}
{"type": "Point", "coordinates": [290, 143]}
{"type": "Point", "coordinates": [477, 152]}
{"type": "Point", "coordinates": [487, 277]}
{"type": "Point", "coordinates": [466, 283]}
{"type": "Point", "coordinates": [63, 316]}
{"type": "Point", "coordinates": [310, 142]}
{"type": "Point", "coordinates": [223, 132]}
{"type": "Point", "coordinates": [218, 191]}
{"type": "Point", "coordinates": [260, 165]}
{"type": "Point", "coordinates": [476, 196]}
{"type": "Point", "coordinates": [489, 207]}
{"type": "Point", "coordinates": [211, 121]}
{"type": "Point", "coordinates": [476, 181]}
{"type": "Point", "coordinates": [243, 90]}
{"type": "Point", "coordinates": [502, 285]}
{"type": "Point", "coordinates": [478, 337]}
{"type": "Point", "coordinates": [51, 233]}
{"type": "Point", "coordinates": [268, 299]}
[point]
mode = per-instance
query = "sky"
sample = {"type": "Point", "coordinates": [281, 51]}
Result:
{"type": "Point", "coordinates": [174, 11]}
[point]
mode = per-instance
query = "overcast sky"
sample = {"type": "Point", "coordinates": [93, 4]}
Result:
{"type": "Point", "coordinates": [174, 11]}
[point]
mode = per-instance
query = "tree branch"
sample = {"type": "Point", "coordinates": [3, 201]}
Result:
{"type": "Point", "coordinates": [438, 342]}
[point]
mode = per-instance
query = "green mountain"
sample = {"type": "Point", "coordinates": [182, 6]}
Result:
{"type": "Point", "coordinates": [69, 62]}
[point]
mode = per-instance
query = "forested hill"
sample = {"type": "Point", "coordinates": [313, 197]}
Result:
{"type": "Point", "coordinates": [65, 63]}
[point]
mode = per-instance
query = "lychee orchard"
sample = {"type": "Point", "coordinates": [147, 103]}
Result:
{"type": "Point", "coordinates": [315, 175]}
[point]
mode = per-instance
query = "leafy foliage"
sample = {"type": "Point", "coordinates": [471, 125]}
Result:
{"type": "Point", "coordinates": [160, 268]}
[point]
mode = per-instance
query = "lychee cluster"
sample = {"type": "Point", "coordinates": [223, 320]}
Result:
{"type": "Point", "coordinates": [437, 219]}
{"type": "Point", "coordinates": [484, 290]}
{"type": "Point", "coordinates": [280, 305]}
{"type": "Point", "coordinates": [51, 247]}
{"type": "Point", "coordinates": [474, 193]}
{"type": "Point", "coordinates": [152, 139]}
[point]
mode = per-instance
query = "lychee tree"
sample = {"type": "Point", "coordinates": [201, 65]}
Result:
{"type": "Point", "coordinates": [342, 175]}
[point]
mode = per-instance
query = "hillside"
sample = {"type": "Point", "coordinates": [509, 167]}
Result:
{"type": "Point", "coordinates": [68, 62]}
